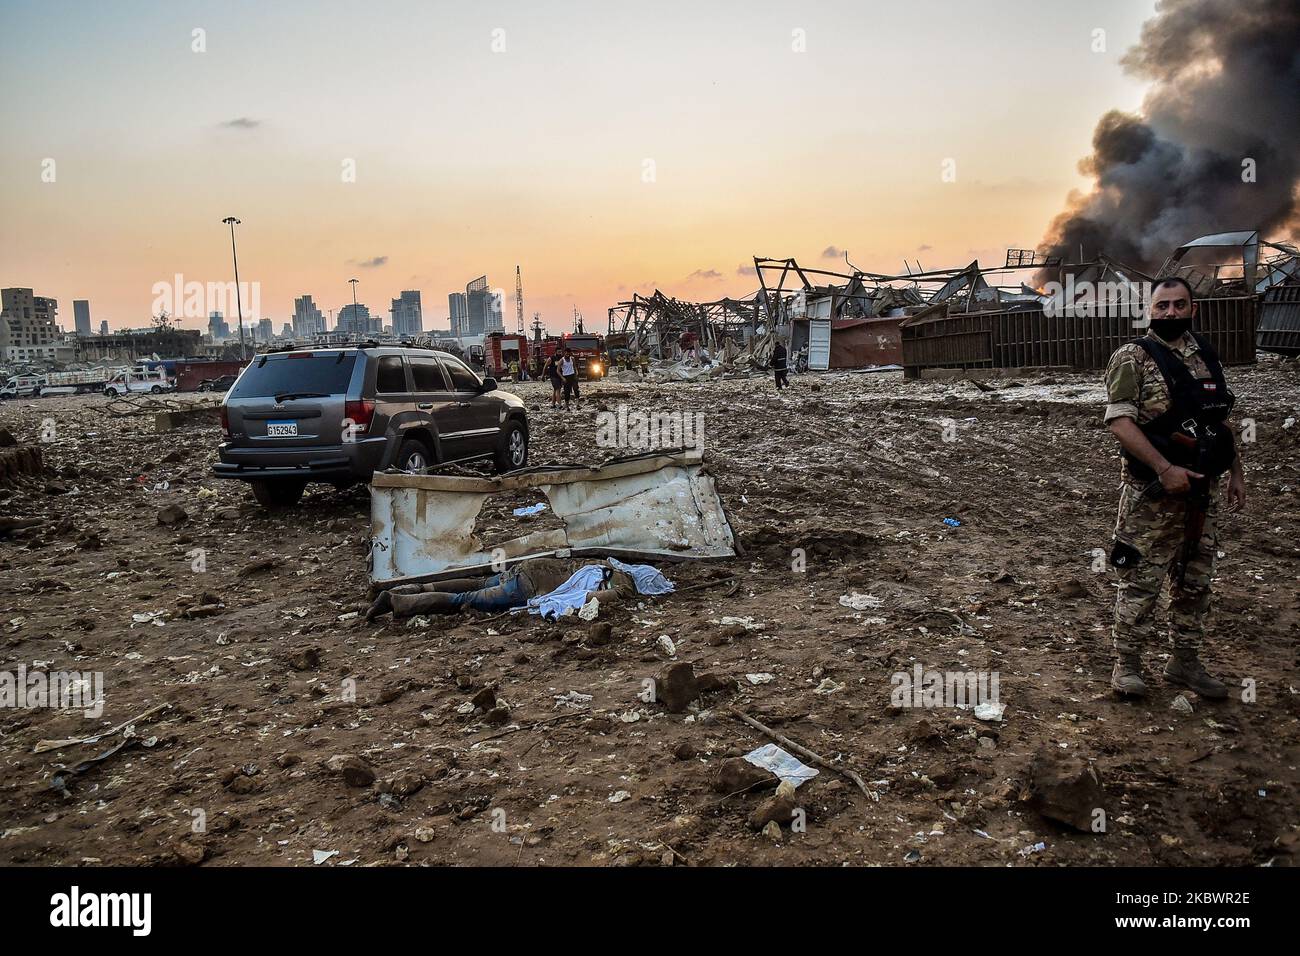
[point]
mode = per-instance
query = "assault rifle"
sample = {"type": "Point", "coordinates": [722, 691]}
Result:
{"type": "Point", "coordinates": [1198, 497]}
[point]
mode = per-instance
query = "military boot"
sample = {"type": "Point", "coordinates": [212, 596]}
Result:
{"type": "Point", "coordinates": [1126, 678]}
{"type": "Point", "coordinates": [1185, 670]}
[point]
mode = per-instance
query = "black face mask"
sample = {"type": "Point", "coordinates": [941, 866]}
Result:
{"type": "Point", "coordinates": [1170, 329]}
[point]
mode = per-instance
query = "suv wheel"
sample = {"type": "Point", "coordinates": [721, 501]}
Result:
{"type": "Point", "coordinates": [512, 453]}
{"type": "Point", "coordinates": [278, 494]}
{"type": "Point", "coordinates": [413, 456]}
{"type": "Point", "coordinates": [157, 390]}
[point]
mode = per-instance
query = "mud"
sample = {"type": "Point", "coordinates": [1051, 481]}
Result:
{"type": "Point", "coordinates": [294, 726]}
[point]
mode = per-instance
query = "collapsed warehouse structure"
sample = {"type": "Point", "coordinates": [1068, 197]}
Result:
{"type": "Point", "coordinates": [654, 324]}
{"type": "Point", "coordinates": [1031, 311]}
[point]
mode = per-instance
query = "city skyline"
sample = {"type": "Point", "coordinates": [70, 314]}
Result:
{"type": "Point", "coordinates": [594, 176]}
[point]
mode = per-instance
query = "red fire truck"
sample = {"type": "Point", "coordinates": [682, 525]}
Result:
{"type": "Point", "coordinates": [588, 353]}
{"type": "Point", "coordinates": [503, 353]}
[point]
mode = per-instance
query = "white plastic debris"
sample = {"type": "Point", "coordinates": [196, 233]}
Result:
{"type": "Point", "coordinates": [572, 700]}
{"type": "Point", "coordinates": [530, 510]}
{"type": "Point", "coordinates": [861, 602]}
{"type": "Point", "coordinates": [1182, 705]}
{"type": "Point", "coordinates": [760, 678]}
{"type": "Point", "coordinates": [320, 856]}
{"type": "Point", "coordinates": [619, 796]}
{"type": "Point", "coordinates": [748, 623]}
{"type": "Point", "coordinates": [827, 686]}
{"type": "Point", "coordinates": [665, 643]}
{"type": "Point", "coordinates": [590, 610]}
{"type": "Point", "coordinates": [784, 765]}
{"type": "Point", "coordinates": [989, 710]}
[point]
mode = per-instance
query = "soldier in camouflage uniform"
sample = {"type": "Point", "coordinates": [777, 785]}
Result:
{"type": "Point", "coordinates": [1150, 528]}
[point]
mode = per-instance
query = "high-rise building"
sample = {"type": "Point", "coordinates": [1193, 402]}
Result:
{"type": "Point", "coordinates": [218, 328]}
{"type": "Point", "coordinates": [354, 319]}
{"type": "Point", "coordinates": [456, 303]}
{"type": "Point", "coordinates": [307, 319]}
{"type": "Point", "coordinates": [408, 318]}
{"type": "Point", "coordinates": [286, 331]}
{"type": "Point", "coordinates": [28, 326]}
{"type": "Point", "coordinates": [482, 309]}
{"type": "Point", "coordinates": [496, 321]}
{"type": "Point", "coordinates": [103, 326]}
{"type": "Point", "coordinates": [81, 314]}
{"type": "Point", "coordinates": [265, 331]}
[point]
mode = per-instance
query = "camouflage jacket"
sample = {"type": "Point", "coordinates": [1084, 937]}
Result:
{"type": "Point", "coordinates": [1135, 388]}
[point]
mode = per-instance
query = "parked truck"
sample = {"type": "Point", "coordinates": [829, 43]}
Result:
{"type": "Point", "coordinates": [589, 358]}
{"type": "Point", "coordinates": [58, 383]}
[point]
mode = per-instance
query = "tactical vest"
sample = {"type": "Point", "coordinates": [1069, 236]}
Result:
{"type": "Point", "coordinates": [1198, 409]}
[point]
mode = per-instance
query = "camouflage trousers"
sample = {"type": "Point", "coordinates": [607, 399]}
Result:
{"type": "Point", "coordinates": [1154, 528]}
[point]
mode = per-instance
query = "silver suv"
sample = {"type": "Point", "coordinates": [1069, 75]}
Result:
{"type": "Point", "coordinates": [339, 415]}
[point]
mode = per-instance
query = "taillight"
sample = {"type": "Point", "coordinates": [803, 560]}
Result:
{"type": "Point", "coordinates": [359, 413]}
{"type": "Point", "coordinates": [225, 422]}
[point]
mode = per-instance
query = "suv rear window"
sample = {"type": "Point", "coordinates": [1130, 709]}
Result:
{"type": "Point", "coordinates": [321, 373]}
{"type": "Point", "coordinates": [391, 377]}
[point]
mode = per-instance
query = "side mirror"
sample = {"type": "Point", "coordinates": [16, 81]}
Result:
{"type": "Point", "coordinates": [489, 385]}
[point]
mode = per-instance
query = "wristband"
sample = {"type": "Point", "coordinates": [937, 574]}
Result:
{"type": "Point", "coordinates": [1168, 465]}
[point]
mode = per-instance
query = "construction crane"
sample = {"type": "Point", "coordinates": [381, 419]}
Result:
{"type": "Point", "coordinates": [519, 300]}
{"type": "Point", "coordinates": [577, 320]}
{"type": "Point", "coordinates": [539, 330]}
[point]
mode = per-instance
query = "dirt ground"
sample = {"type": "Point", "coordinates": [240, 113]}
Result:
{"type": "Point", "coordinates": [851, 468]}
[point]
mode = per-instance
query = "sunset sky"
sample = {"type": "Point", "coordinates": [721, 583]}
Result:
{"type": "Point", "coordinates": [471, 160]}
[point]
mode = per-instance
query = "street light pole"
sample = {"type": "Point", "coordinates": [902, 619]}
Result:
{"type": "Point", "coordinates": [354, 305]}
{"type": "Point", "coordinates": [239, 305]}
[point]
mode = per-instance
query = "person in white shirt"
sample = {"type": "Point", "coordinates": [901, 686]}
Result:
{"type": "Point", "coordinates": [569, 372]}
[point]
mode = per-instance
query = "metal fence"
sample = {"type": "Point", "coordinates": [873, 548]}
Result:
{"type": "Point", "coordinates": [1279, 321]}
{"type": "Point", "coordinates": [1027, 337]}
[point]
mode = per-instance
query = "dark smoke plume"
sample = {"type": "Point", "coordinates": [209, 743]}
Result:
{"type": "Point", "coordinates": [1225, 87]}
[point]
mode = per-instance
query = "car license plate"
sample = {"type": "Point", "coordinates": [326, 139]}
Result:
{"type": "Point", "coordinates": [281, 429]}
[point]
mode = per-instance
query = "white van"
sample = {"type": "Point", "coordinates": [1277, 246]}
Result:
{"type": "Point", "coordinates": [22, 386]}
{"type": "Point", "coordinates": [154, 381]}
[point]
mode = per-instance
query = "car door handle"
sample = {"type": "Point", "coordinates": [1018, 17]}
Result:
{"type": "Point", "coordinates": [464, 405]}
{"type": "Point", "coordinates": [425, 405]}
